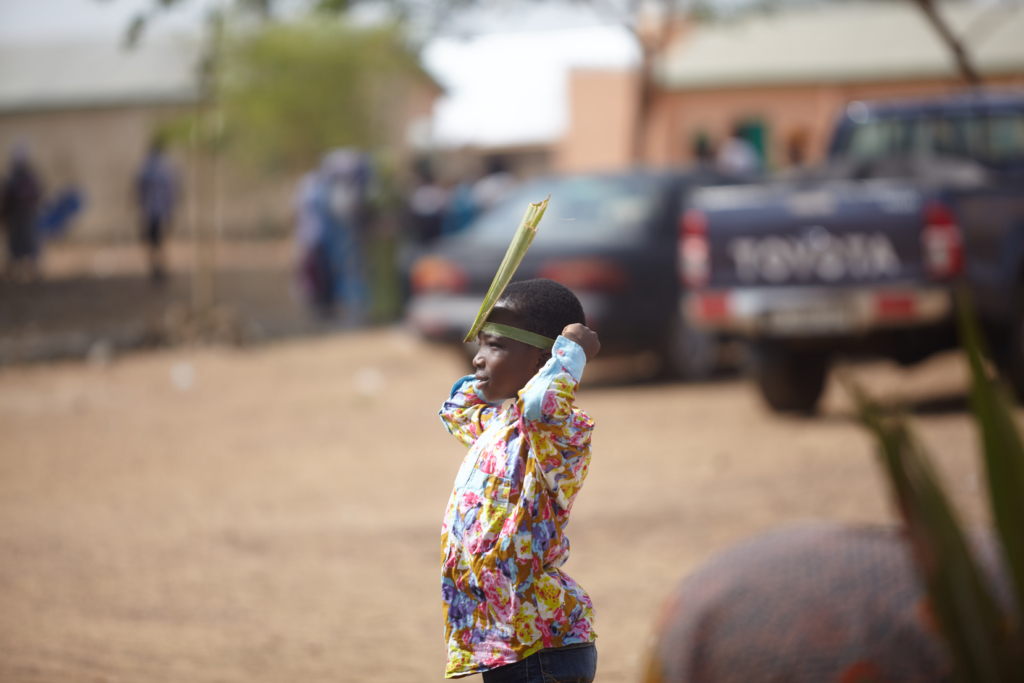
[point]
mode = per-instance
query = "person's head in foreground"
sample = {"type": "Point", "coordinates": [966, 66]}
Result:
{"type": "Point", "coordinates": [543, 307]}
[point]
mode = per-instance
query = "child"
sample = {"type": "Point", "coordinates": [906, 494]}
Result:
{"type": "Point", "coordinates": [510, 611]}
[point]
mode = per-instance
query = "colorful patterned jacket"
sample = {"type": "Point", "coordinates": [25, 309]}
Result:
{"type": "Point", "coordinates": [503, 538]}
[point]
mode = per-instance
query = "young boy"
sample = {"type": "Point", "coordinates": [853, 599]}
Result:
{"type": "Point", "coordinates": [510, 611]}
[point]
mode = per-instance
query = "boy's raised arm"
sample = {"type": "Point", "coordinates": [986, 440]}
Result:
{"type": "Point", "coordinates": [549, 395]}
{"type": "Point", "coordinates": [466, 414]}
{"type": "Point", "coordinates": [558, 431]}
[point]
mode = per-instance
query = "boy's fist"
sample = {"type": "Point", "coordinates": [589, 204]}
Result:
{"type": "Point", "coordinates": [585, 337]}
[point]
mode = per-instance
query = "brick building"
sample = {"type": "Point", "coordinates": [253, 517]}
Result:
{"type": "Point", "coordinates": [783, 77]}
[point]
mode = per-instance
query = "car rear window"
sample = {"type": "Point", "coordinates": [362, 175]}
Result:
{"type": "Point", "coordinates": [588, 209]}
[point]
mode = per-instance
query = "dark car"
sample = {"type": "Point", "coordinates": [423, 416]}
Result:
{"type": "Point", "coordinates": [610, 238]}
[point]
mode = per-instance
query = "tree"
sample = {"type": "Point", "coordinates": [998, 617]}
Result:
{"type": "Point", "coordinates": [963, 61]}
{"type": "Point", "coordinates": [291, 91]}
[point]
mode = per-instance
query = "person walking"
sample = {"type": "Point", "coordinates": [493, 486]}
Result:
{"type": "Point", "coordinates": [426, 206]}
{"type": "Point", "coordinates": [737, 156]}
{"type": "Point", "coordinates": [315, 276]}
{"type": "Point", "coordinates": [20, 198]}
{"type": "Point", "coordinates": [497, 184]}
{"type": "Point", "coordinates": [344, 176]}
{"type": "Point", "coordinates": [156, 191]}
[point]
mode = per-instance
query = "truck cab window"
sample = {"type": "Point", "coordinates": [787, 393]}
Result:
{"type": "Point", "coordinates": [1006, 137]}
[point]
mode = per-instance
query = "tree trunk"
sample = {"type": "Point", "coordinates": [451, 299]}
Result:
{"type": "Point", "coordinates": [963, 62]}
{"type": "Point", "coordinates": [643, 107]}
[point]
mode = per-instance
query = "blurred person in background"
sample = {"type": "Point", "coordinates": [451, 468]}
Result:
{"type": "Point", "coordinates": [341, 206]}
{"type": "Point", "coordinates": [330, 222]}
{"type": "Point", "coordinates": [796, 155]}
{"type": "Point", "coordinates": [461, 210]}
{"type": "Point", "coordinates": [737, 155]}
{"type": "Point", "coordinates": [497, 184]}
{"type": "Point", "coordinates": [58, 213]}
{"type": "Point", "coordinates": [156, 189]}
{"type": "Point", "coordinates": [424, 215]}
{"type": "Point", "coordinates": [427, 205]}
{"type": "Point", "coordinates": [703, 150]}
{"type": "Point", "coordinates": [796, 147]}
{"type": "Point", "coordinates": [314, 279]}
{"type": "Point", "coordinates": [21, 195]}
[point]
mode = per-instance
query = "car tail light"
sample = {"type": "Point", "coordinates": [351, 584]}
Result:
{"type": "Point", "coordinates": [587, 275]}
{"type": "Point", "coordinates": [435, 274]}
{"type": "Point", "coordinates": [941, 242]}
{"type": "Point", "coordinates": [694, 251]}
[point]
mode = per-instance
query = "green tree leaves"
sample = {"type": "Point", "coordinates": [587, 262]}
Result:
{"type": "Point", "coordinates": [292, 91]}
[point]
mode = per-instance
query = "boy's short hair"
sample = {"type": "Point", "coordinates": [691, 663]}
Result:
{"type": "Point", "coordinates": [546, 307]}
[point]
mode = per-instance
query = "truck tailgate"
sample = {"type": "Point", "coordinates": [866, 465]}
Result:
{"type": "Point", "coordinates": [840, 233]}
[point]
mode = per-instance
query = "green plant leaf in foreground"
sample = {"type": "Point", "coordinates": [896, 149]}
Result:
{"type": "Point", "coordinates": [521, 242]}
{"type": "Point", "coordinates": [977, 632]}
{"type": "Point", "coordinates": [1001, 444]}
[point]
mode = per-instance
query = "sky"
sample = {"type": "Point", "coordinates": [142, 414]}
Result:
{"type": "Point", "coordinates": [505, 75]}
{"type": "Point", "coordinates": [54, 20]}
{"type": "Point", "coordinates": [509, 88]}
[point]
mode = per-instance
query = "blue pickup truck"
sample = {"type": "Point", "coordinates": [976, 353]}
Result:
{"type": "Point", "coordinates": [860, 257]}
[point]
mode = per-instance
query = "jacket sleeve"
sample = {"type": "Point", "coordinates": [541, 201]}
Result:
{"type": "Point", "coordinates": [466, 414]}
{"type": "Point", "coordinates": [559, 432]}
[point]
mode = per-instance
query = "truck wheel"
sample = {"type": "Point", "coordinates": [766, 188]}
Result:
{"type": "Point", "coordinates": [689, 353]}
{"type": "Point", "coordinates": [790, 382]}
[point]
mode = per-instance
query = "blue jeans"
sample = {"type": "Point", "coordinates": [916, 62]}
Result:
{"type": "Point", "coordinates": [568, 664]}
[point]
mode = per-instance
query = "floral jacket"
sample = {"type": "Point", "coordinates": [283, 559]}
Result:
{"type": "Point", "coordinates": [503, 538]}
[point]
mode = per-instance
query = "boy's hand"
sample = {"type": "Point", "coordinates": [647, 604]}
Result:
{"type": "Point", "coordinates": [585, 337]}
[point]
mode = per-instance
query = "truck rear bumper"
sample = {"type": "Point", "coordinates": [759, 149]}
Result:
{"type": "Point", "coordinates": [816, 311]}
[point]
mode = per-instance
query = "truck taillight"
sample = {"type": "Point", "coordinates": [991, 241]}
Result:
{"type": "Point", "coordinates": [942, 245]}
{"type": "Point", "coordinates": [694, 251]}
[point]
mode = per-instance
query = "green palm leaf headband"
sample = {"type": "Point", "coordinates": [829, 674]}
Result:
{"type": "Point", "coordinates": [513, 257]}
{"type": "Point", "coordinates": [531, 338]}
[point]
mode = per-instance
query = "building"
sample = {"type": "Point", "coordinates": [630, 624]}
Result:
{"type": "Point", "coordinates": [783, 77]}
{"type": "Point", "coordinates": [89, 111]}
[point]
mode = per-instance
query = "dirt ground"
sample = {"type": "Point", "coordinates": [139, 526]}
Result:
{"type": "Point", "coordinates": [93, 297]}
{"type": "Point", "coordinates": [273, 514]}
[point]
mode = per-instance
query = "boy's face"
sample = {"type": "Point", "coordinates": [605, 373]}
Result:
{"type": "Point", "coordinates": [503, 365]}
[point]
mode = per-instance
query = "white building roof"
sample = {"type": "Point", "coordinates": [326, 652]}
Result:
{"type": "Point", "coordinates": [75, 75]}
{"type": "Point", "coordinates": [843, 43]}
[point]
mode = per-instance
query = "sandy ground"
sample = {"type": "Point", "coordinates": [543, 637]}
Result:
{"type": "Point", "coordinates": [273, 514]}
{"type": "Point", "coordinates": [94, 297]}
{"type": "Point", "coordinates": [68, 259]}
